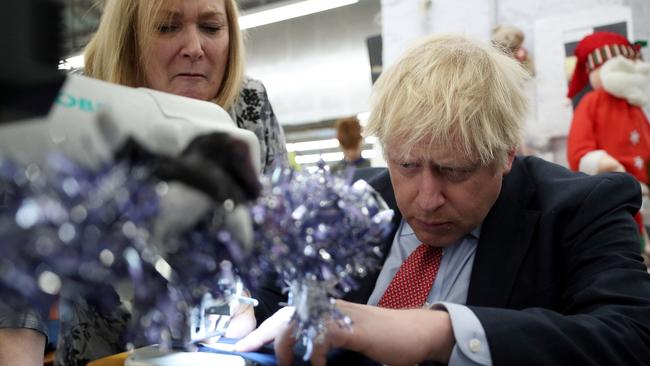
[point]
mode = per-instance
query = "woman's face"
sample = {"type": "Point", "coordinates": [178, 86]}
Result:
{"type": "Point", "coordinates": [189, 49]}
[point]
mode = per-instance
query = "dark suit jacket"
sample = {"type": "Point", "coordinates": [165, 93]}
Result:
{"type": "Point", "coordinates": [557, 276]}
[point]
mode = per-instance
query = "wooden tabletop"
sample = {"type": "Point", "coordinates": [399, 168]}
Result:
{"type": "Point", "coordinates": [114, 360]}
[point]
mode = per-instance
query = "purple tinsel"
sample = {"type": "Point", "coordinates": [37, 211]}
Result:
{"type": "Point", "coordinates": [66, 229]}
{"type": "Point", "coordinates": [318, 232]}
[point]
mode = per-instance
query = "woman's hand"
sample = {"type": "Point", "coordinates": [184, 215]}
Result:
{"type": "Point", "coordinates": [242, 321]}
{"type": "Point", "coordinates": [267, 332]}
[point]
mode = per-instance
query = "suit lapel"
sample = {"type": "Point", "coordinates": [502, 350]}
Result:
{"type": "Point", "coordinates": [506, 234]}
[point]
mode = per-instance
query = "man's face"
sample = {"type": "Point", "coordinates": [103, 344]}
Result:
{"type": "Point", "coordinates": [441, 196]}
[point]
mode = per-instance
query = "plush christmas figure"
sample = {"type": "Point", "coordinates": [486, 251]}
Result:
{"type": "Point", "coordinates": [610, 131]}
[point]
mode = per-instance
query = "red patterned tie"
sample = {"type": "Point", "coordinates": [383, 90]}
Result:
{"type": "Point", "coordinates": [412, 282]}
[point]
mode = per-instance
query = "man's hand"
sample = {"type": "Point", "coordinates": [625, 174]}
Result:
{"type": "Point", "coordinates": [395, 337]}
{"type": "Point", "coordinates": [21, 346]}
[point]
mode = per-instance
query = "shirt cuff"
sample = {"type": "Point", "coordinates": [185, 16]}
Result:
{"type": "Point", "coordinates": [471, 343]}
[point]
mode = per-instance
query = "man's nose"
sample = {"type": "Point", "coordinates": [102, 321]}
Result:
{"type": "Point", "coordinates": [431, 191]}
{"type": "Point", "coordinates": [192, 44]}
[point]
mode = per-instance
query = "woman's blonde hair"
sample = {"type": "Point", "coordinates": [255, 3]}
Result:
{"type": "Point", "coordinates": [451, 93]}
{"type": "Point", "coordinates": [118, 50]}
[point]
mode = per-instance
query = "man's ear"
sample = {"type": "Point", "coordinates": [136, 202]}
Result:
{"type": "Point", "coordinates": [508, 163]}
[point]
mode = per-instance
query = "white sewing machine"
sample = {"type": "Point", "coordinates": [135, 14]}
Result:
{"type": "Point", "coordinates": [164, 123]}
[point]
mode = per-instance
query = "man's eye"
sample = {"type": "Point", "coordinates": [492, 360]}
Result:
{"type": "Point", "coordinates": [407, 165]}
{"type": "Point", "coordinates": [455, 174]}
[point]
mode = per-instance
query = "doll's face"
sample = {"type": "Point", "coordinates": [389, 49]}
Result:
{"type": "Point", "coordinates": [594, 79]}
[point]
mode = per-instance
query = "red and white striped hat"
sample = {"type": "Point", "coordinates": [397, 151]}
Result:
{"type": "Point", "coordinates": [593, 51]}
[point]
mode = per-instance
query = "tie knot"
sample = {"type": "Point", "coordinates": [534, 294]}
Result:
{"type": "Point", "coordinates": [426, 251]}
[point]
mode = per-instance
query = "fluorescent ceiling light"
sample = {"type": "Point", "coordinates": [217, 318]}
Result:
{"type": "Point", "coordinates": [369, 154]}
{"type": "Point", "coordinates": [321, 144]}
{"type": "Point", "coordinates": [314, 158]}
{"type": "Point", "coordinates": [313, 145]}
{"type": "Point", "coordinates": [328, 157]}
{"type": "Point", "coordinates": [371, 140]}
{"type": "Point", "coordinates": [288, 11]}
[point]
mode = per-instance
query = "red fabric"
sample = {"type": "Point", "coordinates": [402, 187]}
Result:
{"type": "Point", "coordinates": [587, 45]}
{"type": "Point", "coordinates": [639, 221]}
{"type": "Point", "coordinates": [412, 282]}
{"type": "Point", "coordinates": [604, 122]}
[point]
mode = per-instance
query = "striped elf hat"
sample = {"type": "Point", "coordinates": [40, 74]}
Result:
{"type": "Point", "coordinates": [593, 51]}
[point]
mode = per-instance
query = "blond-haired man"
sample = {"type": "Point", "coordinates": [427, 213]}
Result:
{"type": "Point", "coordinates": [533, 264]}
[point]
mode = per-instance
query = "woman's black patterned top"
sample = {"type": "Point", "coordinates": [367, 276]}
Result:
{"type": "Point", "coordinates": [253, 112]}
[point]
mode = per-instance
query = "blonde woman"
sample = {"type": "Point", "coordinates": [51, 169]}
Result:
{"type": "Point", "coordinates": [189, 48]}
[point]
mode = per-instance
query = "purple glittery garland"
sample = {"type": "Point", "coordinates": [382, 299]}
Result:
{"type": "Point", "coordinates": [319, 232]}
{"type": "Point", "coordinates": [67, 229]}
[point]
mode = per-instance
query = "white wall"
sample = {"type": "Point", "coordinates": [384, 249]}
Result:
{"type": "Point", "coordinates": [641, 19]}
{"type": "Point", "coordinates": [548, 123]}
{"type": "Point", "coordinates": [524, 13]}
{"type": "Point", "coordinates": [405, 20]}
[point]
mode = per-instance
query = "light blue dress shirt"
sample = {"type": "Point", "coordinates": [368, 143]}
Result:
{"type": "Point", "coordinates": [448, 293]}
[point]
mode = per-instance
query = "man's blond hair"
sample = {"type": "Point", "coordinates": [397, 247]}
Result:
{"type": "Point", "coordinates": [451, 93]}
{"type": "Point", "coordinates": [119, 49]}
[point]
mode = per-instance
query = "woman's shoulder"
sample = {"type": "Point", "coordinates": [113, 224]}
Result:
{"type": "Point", "coordinates": [252, 94]}
{"type": "Point", "coordinates": [253, 106]}
{"type": "Point", "coordinates": [251, 84]}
